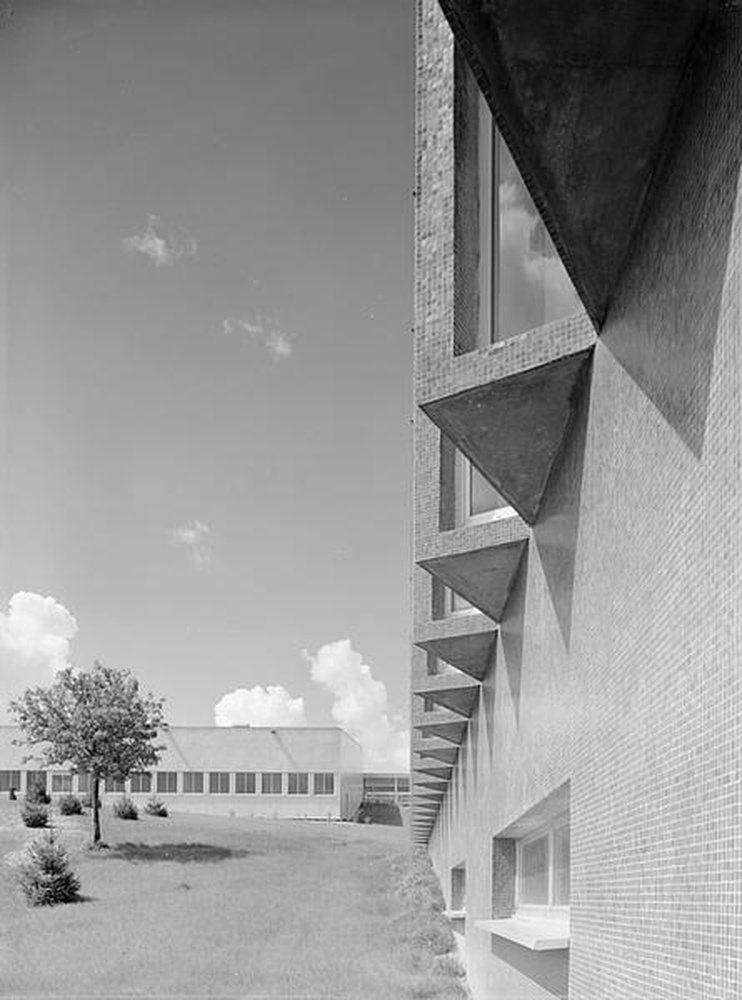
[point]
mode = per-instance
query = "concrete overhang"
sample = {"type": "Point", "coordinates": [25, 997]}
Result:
{"type": "Point", "coordinates": [447, 754]}
{"type": "Point", "coordinates": [471, 654]}
{"type": "Point", "coordinates": [512, 428]}
{"type": "Point", "coordinates": [432, 771]}
{"type": "Point", "coordinates": [484, 577]}
{"type": "Point", "coordinates": [436, 784]}
{"type": "Point", "coordinates": [454, 732]}
{"type": "Point", "coordinates": [584, 94]}
{"type": "Point", "coordinates": [461, 699]}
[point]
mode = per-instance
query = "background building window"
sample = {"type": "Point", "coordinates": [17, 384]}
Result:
{"type": "Point", "coordinates": [219, 782]}
{"type": "Point", "coordinates": [83, 783]}
{"type": "Point", "coordinates": [244, 783]}
{"type": "Point", "coordinates": [298, 784]}
{"type": "Point", "coordinates": [36, 779]}
{"type": "Point", "coordinates": [115, 785]}
{"type": "Point", "coordinates": [167, 782]}
{"type": "Point", "coordinates": [324, 783]}
{"type": "Point", "coordinates": [193, 782]}
{"type": "Point", "coordinates": [61, 782]}
{"type": "Point", "coordinates": [271, 783]}
{"type": "Point", "coordinates": [543, 868]}
{"type": "Point", "coordinates": [141, 781]}
{"type": "Point", "coordinates": [10, 779]}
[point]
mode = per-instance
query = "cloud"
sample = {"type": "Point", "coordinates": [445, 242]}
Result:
{"type": "Point", "coordinates": [265, 330]}
{"type": "Point", "coordinates": [361, 705]}
{"type": "Point", "coordinates": [35, 637]}
{"type": "Point", "coordinates": [259, 706]}
{"type": "Point", "coordinates": [195, 537]}
{"type": "Point", "coordinates": [163, 246]}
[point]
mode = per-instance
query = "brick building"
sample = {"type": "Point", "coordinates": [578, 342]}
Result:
{"type": "Point", "coordinates": [282, 772]}
{"type": "Point", "coordinates": [577, 685]}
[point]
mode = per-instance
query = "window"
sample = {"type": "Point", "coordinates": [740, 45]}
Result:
{"type": "Point", "coordinates": [271, 783]}
{"type": "Point", "coordinates": [458, 888]}
{"type": "Point", "coordinates": [193, 782]}
{"type": "Point", "coordinates": [403, 784]}
{"type": "Point", "coordinates": [324, 783]}
{"type": "Point", "coordinates": [83, 783]}
{"type": "Point", "coordinates": [298, 784]}
{"type": "Point", "coordinates": [10, 779]}
{"type": "Point", "coordinates": [475, 499]}
{"type": "Point", "coordinates": [115, 785]}
{"type": "Point", "coordinates": [141, 781]}
{"type": "Point", "coordinates": [167, 782]}
{"type": "Point", "coordinates": [455, 604]}
{"type": "Point", "coordinates": [61, 782]}
{"type": "Point", "coordinates": [522, 281]}
{"type": "Point", "coordinates": [244, 783]}
{"type": "Point", "coordinates": [219, 783]}
{"type": "Point", "coordinates": [432, 665]}
{"type": "Point", "coordinates": [543, 868]}
{"type": "Point", "coordinates": [428, 706]}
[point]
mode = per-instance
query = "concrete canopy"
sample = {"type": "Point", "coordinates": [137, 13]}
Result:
{"type": "Point", "coordinates": [461, 699]}
{"type": "Point", "coordinates": [434, 772]}
{"type": "Point", "coordinates": [471, 654]}
{"type": "Point", "coordinates": [512, 429]}
{"type": "Point", "coordinates": [447, 754]}
{"type": "Point", "coordinates": [454, 732]}
{"type": "Point", "coordinates": [482, 576]}
{"type": "Point", "coordinates": [439, 786]}
{"type": "Point", "coordinates": [583, 93]}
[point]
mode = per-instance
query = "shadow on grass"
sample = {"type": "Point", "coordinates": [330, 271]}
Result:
{"type": "Point", "coordinates": [183, 853]}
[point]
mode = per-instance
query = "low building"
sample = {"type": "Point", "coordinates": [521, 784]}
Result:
{"type": "Point", "coordinates": [387, 787]}
{"type": "Point", "coordinates": [286, 772]}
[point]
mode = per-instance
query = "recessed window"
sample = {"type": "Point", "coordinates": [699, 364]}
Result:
{"type": "Point", "coordinates": [543, 868]}
{"type": "Point", "coordinates": [10, 779]}
{"type": "Point", "coordinates": [522, 282]}
{"type": "Point", "coordinates": [167, 782]}
{"type": "Point", "coordinates": [115, 785]}
{"type": "Point", "coordinates": [458, 887]}
{"type": "Point", "coordinates": [324, 783]}
{"type": "Point", "coordinates": [141, 781]}
{"type": "Point", "coordinates": [298, 784]}
{"type": "Point", "coordinates": [428, 706]}
{"type": "Point", "coordinates": [455, 604]}
{"type": "Point", "coordinates": [476, 499]}
{"type": "Point", "coordinates": [193, 782]}
{"type": "Point", "coordinates": [271, 783]}
{"type": "Point", "coordinates": [219, 783]}
{"type": "Point", "coordinates": [244, 783]}
{"type": "Point", "coordinates": [61, 782]}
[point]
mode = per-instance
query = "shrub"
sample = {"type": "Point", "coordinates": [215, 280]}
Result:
{"type": "Point", "coordinates": [46, 877]}
{"type": "Point", "coordinates": [154, 807]}
{"type": "Point", "coordinates": [34, 814]}
{"type": "Point", "coordinates": [37, 794]}
{"type": "Point", "coordinates": [125, 809]}
{"type": "Point", "coordinates": [88, 801]}
{"type": "Point", "coordinates": [70, 805]}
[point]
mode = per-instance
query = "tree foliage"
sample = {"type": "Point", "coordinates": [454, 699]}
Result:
{"type": "Point", "coordinates": [95, 722]}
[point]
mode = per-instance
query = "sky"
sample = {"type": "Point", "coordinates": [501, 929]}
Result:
{"type": "Point", "coordinates": [206, 303]}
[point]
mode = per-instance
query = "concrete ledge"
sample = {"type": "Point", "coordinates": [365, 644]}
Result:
{"type": "Point", "coordinates": [455, 914]}
{"type": "Point", "coordinates": [538, 935]}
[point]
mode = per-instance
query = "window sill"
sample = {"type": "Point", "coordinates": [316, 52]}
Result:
{"type": "Point", "coordinates": [455, 914]}
{"type": "Point", "coordinates": [536, 934]}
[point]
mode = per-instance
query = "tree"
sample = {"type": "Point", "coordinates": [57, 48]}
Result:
{"type": "Point", "coordinates": [95, 722]}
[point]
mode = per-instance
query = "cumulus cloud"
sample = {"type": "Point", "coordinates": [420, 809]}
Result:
{"type": "Point", "coordinates": [264, 330]}
{"type": "Point", "coordinates": [259, 706]}
{"type": "Point", "coordinates": [161, 244]}
{"type": "Point", "coordinates": [35, 637]}
{"type": "Point", "coordinates": [196, 539]}
{"type": "Point", "coordinates": [361, 705]}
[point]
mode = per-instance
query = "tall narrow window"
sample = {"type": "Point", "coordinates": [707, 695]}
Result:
{"type": "Point", "coordinates": [476, 499]}
{"type": "Point", "coordinates": [458, 888]}
{"type": "Point", "coordinates": [522, 282]}
{"type": "Point", "coordinates": [543, 868]}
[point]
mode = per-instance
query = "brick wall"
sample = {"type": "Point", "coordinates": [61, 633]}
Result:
{"type": "Point", "coordinates": [618, 662]}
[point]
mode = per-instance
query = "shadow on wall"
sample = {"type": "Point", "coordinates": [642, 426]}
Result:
{"type": "Point", "coordinates": [555, 533]}
{"type": "Point", "coordinates": [549, 969]}
{"type": "Point", "coordinates": [511, 636]}
{"type": "Point", "coordinates": [662, 325]}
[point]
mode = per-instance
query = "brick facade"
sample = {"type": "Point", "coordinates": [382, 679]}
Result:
{"type": "Point", "coordinates": [617, 669]}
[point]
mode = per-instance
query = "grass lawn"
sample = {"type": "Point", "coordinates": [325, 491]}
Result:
{"type": "Point", "coordinates": [219, 907]}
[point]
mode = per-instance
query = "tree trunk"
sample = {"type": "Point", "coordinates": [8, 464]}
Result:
{"type": "Point", "coordinates": [96, 811]}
